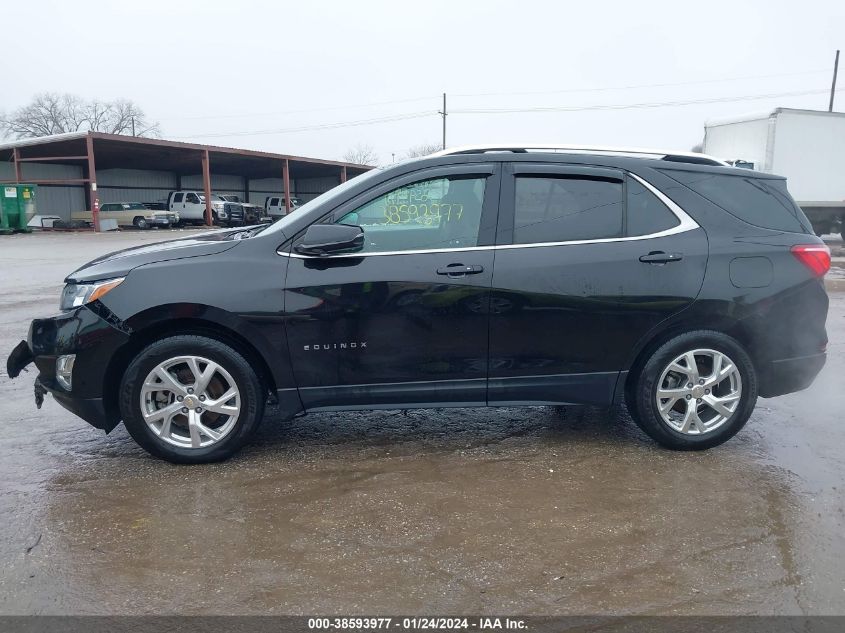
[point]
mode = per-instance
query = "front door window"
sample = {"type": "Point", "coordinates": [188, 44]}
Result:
{"type": "Point", "coordinates": [440, 213]}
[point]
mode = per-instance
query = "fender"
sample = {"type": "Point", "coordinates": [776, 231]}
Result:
{"type": "Point", "coordinates": [267, 339]}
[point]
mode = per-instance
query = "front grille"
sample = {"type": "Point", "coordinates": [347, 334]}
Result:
{"type": "Point", "coordinates": [234, 212]}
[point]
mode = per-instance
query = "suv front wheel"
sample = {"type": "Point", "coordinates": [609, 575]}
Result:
{"type": "Point", "coordinates": [695, 391]}
{"type": "Point", "coordinates": [191, 399]}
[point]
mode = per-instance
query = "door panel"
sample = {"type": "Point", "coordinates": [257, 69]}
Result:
{"type": "Point", "coordinates": [569, 315]}
{"type": "Point", "coordinates": [362, 329]}
{"type": "Point", "coordinates": [404, 322]}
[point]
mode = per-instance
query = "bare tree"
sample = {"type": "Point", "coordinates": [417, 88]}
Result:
{"type": "Point", "coordinates": [361, 154]}
{"type": "Point", "coordinates": [423, 149]}
{"type": "Point", "coordinates": [51, 113]}
{"type": "Point", "coordinates": [698, 148]}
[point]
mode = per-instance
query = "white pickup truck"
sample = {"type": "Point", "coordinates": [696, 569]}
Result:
{"type": "Point", "coordinates": [275, 206]}
{"type": "Point", "coordinates": [190, 205]}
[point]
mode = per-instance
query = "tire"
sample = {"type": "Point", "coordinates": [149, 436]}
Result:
{"type": "Point", "coordinates": [705, 428]}
{"type": "Point", "coordinates": [184, 446]}
{"type": "Point", "coordinates": [140, 223]}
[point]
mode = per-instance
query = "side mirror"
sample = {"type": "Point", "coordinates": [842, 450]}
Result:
{"type": "Point", "coordinates": [328, 239]}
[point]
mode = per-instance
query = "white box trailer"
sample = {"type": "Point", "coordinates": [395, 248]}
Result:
{"type": "Point", "coordinates": [805, 146]}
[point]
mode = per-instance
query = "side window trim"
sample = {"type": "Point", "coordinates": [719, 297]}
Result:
{"type": "Point", "coordinates": [505, 231]}
{"type": "Point", "coordinates": [489, 210]}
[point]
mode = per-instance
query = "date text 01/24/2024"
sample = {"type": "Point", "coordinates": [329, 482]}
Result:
{"type": "Point", "coordinates": [417, 623]}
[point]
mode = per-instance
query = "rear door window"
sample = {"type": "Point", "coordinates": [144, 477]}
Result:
{"type": "Point", "coordinates": [178, 197]}
{"type": "Point", "coordinates": [762, 202]}
{"type": "Point", "coordinates": [566, 208]}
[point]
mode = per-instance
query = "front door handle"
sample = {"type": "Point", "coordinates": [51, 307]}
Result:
{"type": "Point", "coordinates": [460, 270]}
{"type": "Point", "coordinates": [659, 257]}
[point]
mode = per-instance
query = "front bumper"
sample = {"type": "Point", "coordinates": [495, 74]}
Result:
{"type": "Point", "coordinates": [787, 375]}
{"type": "Point", "coordinates": [162, 220]}
{"type": "Point", "coordinates": [94, 341]}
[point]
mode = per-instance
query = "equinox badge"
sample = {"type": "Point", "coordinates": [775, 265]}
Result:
{"type": "Point", "coordinates": [330, 346]}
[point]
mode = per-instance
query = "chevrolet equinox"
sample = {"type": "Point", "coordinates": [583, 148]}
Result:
{"type": "Point", "coordinates": [486, 276]}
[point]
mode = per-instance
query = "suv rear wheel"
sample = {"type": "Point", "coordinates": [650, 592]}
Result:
{"type": "Point", "coordinates": [191, 399]}
{"type": "Point", "coordinates": [695, 391]}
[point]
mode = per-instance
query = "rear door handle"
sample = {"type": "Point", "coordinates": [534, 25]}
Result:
{"type": "Point", "coordinates": [460, 270]}
{"type": "Point", "coordinates": [659, 257]}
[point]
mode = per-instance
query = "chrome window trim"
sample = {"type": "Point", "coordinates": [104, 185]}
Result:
{"type": "Point", "coordinates": [686, 223]}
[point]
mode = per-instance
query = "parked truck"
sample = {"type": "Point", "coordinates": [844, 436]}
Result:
{"type": "Point", "coordinates": [274, 206]}
{"type": "Point", "coordinates": [190, 205]}
{"type": "Point", "coordinates": [806, 146]}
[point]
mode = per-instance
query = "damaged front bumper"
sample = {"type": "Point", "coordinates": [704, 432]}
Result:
{"type": "Point", "coordinates": [94, 341]}
{"type": "Point", "coordinates": [20, 357]}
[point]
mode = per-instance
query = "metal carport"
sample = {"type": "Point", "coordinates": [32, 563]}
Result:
{"type": "Point", "coordinates": [73, 160]}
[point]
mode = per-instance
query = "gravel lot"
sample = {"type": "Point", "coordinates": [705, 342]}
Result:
{"type": "Point", "coordinates": [452, 511]}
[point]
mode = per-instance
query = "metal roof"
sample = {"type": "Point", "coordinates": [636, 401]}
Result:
{"type": "Point", "coordinates": [758, 116]}
{"type": "Point", "coordinates": [132, 152]}
{"type": "Point", "coordinates": [26, 142]}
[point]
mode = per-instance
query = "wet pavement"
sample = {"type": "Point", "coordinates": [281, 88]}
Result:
{"type": "Point", "coordinates": [525, 511]}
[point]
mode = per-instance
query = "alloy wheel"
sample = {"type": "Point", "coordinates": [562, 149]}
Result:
{"type": "Point", "coordinates": [190, 401]}
{"type": "Point", "coordinates": [699, 391]}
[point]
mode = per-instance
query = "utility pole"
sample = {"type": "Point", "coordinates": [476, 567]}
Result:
{"type": "Point", "coordinates": [133, 126]}
{"type": "Point", "coordinates": [833, 85]}
{"type": "Point", "coordinates": [443, 114]}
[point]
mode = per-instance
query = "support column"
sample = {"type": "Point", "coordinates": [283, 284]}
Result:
{"type": "Point", "coordinates": [343, 174]}
{"type": "Point", "coordinates": [93, 201]}
{"type": "Point", "coordinates": [246, 189]}
{"type": "Point", "coordinates": [16, 155]}
{"type": "Point", "coordinates": [286, 181]}
{"type": "Point", "coordinates": [206, 186]}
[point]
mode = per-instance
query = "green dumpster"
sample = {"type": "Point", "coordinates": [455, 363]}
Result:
{"type": "Point", "coordinates": [17, 206]}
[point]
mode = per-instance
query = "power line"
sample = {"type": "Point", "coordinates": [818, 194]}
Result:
{"type": "Point", "coordinates": [633, 87]}
{"type": "Point", "coordinates": [433, 97]}
{"type": "Point", "coordinates": [322, 126]}
{"type": "Point", "coordinates": [300, 111]}
{"type": "Point", "coordinates": [427, 113]}
{"type": "Point", "coordinates": [631, 106]}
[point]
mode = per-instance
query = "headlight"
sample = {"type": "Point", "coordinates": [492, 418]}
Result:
{"type": "Point", "coordinates": [75, 295]}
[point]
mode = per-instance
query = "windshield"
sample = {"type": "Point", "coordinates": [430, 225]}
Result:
{"type": "Point", "coordinates": [135, 206]}
{"type": "Point", "coordinates": [324, 199]}
{"type": "Point", "coordinates": [214, 197]}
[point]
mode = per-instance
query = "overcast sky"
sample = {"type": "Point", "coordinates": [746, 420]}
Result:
{"type": "Point", "coordinates": [250, 74]}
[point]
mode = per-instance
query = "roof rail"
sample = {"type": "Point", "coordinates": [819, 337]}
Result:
{"type": "Point", "coordinates": [634, 152]}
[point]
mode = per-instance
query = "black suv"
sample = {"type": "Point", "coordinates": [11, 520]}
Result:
{"type": "Point", "coordinates": [496, 276]}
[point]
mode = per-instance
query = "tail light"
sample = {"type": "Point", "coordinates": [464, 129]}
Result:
{"type": "Point", "coordinates": [816, 257]}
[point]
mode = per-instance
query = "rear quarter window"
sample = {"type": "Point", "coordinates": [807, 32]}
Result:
{"type": "Point", "coordinates": [762, 202]}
